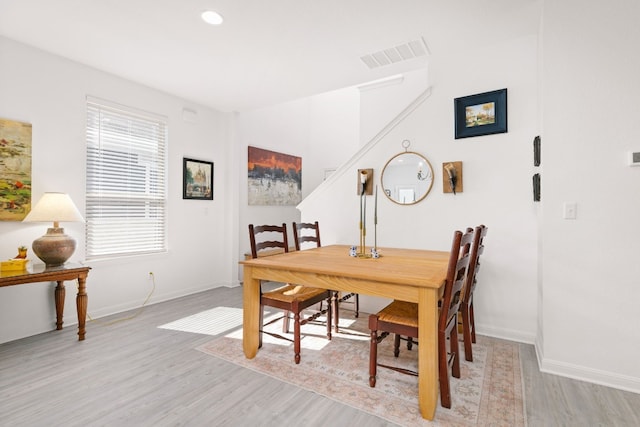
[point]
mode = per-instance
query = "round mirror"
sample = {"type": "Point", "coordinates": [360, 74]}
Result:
{"type": "Point", "coordinates": [407, 178]}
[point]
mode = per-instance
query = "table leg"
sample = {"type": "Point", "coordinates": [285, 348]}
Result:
{"type": "Point", "coordinates": [251, 314]}
{"type": "Point", "coordinates": [59, 296]}
{"type": "Point", "coordinates": [81, 306]}
{"type": "Point", "coordinates": [428, 352]}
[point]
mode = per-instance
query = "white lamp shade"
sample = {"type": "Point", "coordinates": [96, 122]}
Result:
{"type": "Point", "coordinates": [56, 207]}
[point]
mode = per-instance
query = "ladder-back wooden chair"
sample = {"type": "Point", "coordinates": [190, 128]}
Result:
{"type": "Point", "coordinates": [401, 318]}
{"type": "Point", "coordinates": [290, 298]}
{"type": "Point", "coordinates": [308, 234]}
{"type": "Point", "coordinates": [467, 318]}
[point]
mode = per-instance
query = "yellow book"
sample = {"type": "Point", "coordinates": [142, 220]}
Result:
{"type": "Point", "coordinates": [17, 264]}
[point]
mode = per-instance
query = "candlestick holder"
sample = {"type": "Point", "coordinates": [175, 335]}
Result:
{"type": "Point", "coordinates": [363, 180]}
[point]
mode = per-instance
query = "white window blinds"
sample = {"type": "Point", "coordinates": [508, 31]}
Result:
{"type": "Point", "coordinates": [126, 181]}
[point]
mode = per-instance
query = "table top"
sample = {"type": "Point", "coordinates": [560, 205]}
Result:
{"type": "Point", "coordinates": [39, 272]}
{"type": "Point", "coordinates": [416, 267]}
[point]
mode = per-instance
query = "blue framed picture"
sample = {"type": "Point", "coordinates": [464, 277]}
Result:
{"type": "Point", "coordinates": [481, 114]}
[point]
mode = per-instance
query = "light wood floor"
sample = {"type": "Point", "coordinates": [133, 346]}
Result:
{"type": "Point", "coordinates": [130, 373]}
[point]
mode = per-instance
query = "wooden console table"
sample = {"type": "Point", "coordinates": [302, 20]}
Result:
{"type": "Point", "coordinates": [39, 273]}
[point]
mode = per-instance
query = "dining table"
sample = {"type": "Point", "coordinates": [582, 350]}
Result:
{"type": "Point", "coordinates": [413, 275]}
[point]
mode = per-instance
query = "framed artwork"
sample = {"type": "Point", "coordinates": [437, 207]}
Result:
{"type": "Point", "coordinates": [481, 114]}
{"type": "Point", "coordinates": [197, 180]}
{"type": "Point", "coordinates": [15, 170]}
{"type": "Point", "coordinates": [274, 179]}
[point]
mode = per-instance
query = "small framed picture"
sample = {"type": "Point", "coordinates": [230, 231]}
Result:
{"type": "Point", "coordinates": [481, 114]}
{"type": "Point", "coordinates": [197, 182]}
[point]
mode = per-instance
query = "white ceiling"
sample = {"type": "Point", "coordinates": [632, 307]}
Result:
{"type": "Point", "coordinates": [267, 51]}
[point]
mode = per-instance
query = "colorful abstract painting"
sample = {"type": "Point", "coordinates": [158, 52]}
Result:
{"type": "Point", "coordinates": [15, 170]}
{"type": "Point", "coordinates": [275, 179]}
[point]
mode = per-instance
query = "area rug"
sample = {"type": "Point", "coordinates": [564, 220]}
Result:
{"type": "Point", "coordinates": [488, 392]}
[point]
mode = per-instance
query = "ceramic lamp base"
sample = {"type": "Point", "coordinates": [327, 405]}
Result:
{"type": "Point", "coordinates": [55, 247]}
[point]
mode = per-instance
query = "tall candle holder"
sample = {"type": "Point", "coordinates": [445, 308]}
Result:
{"type": "Point", "coordinates": [364, 176]}
{"type": "Point", "coordinates": [360, 251]}
{"type": "Point", "coordinates": [375, 222]}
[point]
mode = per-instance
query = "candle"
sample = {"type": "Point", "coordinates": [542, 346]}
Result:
{"type": "Point", "coordinates": [364, 213]}
{"type": "Point", "coordinates": [375, 208]}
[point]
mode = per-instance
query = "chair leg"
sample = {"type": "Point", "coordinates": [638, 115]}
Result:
{"type": "Point", "coordinates": [409, 343]}
{"type": "Point", "coordinates": [357, 304]}
{"type": "Point", "coordinates": [396, 345]}
{"type": "Point", "coordinates": [373, 358]}
{"type": "Point", "coordinates": [329, 316]}
{"type": "Point", "coordinates": [261, 325]}
{"type": "Point", "coordinates": [455, 351]}
{"type": "Point", "coordinates": [336, 310]}
{"type": "Point", "coordinates": [296, 336]}
{"type": "Point", "coordinates": [472, 323]}
{"type": "Point", "coordinates": [443, 368]}
{"type": "Point", "coordinates": [466, 334]}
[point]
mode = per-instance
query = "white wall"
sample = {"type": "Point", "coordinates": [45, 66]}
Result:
{"type": "Point", "coordinates": [591, 280]}
{"type": "Point", "coordinates": [381, 101]}
{"type": "Point", "coordinates": [497, 192]}
{"type": "Point", "coordinates": [322, 129]}
{"type": "Point", "coordinates": [49, 92]}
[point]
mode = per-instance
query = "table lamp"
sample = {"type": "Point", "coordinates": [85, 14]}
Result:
{"type": "Point", "coordinates": [55, 247]}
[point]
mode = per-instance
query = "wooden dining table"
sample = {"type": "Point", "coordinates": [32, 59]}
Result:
{"type": "Point", "coordinates": [404, 274]}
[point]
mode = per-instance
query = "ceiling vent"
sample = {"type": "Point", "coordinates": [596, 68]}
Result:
{"type": "Point", "coordinates": [403, 52]}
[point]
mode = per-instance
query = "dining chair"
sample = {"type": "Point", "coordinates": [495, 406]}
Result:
{"type": "Point", "coordinates": [290, 298]}
{"type": "Point", "coordinates": [308, 234]}
{"type": "Point", "coordinates": [467, 317]}
{"type": "Point", "coordinates": [401, 318]}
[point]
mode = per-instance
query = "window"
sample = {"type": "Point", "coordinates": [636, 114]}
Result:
{"type": "Point", "coordinates": [126, 181]}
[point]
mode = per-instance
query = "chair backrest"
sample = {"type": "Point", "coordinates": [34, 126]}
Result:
{"type": "Point", "coordinates": [456, 276]}
{"type": "Point", "coordinates": [274, 237]}
{"type": "Point", "coordinates": [304, 232]}
{"type": "Point", "coordinates": [474, 262]}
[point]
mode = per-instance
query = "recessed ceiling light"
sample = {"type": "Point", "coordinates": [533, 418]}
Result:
{"type": "Point", "coordinates": [211, 17]}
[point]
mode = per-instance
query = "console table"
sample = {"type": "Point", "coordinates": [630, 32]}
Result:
{"type": "Point", "coordinates": [39, 273]}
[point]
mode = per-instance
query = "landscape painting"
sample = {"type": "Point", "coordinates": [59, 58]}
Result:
{"type": "Point", "coordinates": [480, 115]}
{"type": "Point", "coordinates": [15, 170]}
{"type": "Point", "coordinates": [274, 179]}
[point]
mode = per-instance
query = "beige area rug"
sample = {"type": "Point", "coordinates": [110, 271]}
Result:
{"type": "Point", "coordinates": [488, 393]}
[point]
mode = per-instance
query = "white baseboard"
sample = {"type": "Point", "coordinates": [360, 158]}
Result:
{"type": "Point", "coordinates": [505, 334]}
{"type": "Point", "coordinates": [155, 299]}
{"type": "Point", "coordinates": [605, 378]}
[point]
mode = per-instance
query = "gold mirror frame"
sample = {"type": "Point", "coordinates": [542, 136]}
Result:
{"type": "Point", "coordinates": [409, 178]}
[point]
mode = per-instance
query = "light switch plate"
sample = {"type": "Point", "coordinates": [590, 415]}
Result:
{"type": "Point", "coordinates": [570, 210]}
{"type": "Point", "coordinates": [634, 158]}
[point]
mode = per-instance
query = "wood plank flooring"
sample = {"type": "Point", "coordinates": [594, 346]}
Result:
{"type": "Point", "coordinates": [129, 372]}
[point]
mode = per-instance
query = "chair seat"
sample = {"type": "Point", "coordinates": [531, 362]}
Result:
{"type": "Point", "coordinates": [300, 293]}
{"type": "Point", "coordinates": [400, 312]}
